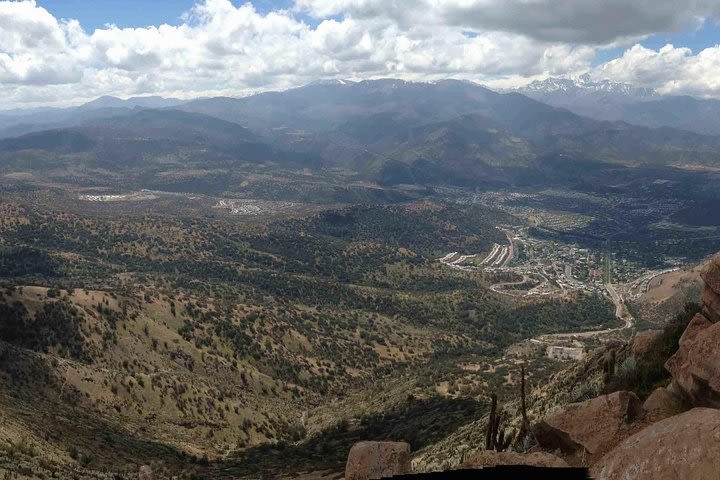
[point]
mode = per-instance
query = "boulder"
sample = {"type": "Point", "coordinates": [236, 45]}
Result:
{"type": "Point", "coordinates": [683, 446]}
{"type": "Point", "coordinates": [663, 403]}
{"type": "Point", "coordinates": [372, 460]}
{"type": "Point", "coordinates": [644, 341]}
{"type": "Point", "coordinates": [146, 473]}
{"type": "Point", "coordinates": [711, 300]}
{"type": "Point", "coordinates": [489, 458]}
{"type": "Point", "coordinates": [593, 426]}
{"type": "Point", "coordinates": [695, 367]}
{"type": "Point", "coordinates": [711, 275]}
{"type": "Point", "coordinates": [696, 325]}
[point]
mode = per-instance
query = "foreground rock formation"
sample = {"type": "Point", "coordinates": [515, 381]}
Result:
{"type": "Point", "coordinates": [493, 459]}
{"type": "Point", "coordinates": [643, 342]}
{"type": "Point", "coordinates": [695, 367]}
{"type": "Point", "coordinates": [663, 403]}
{"type": "Point", "coordinates": [373, 460]}
{"type": "Point", "coordinates": [685, 446]}
{"type": "Point", "coordinates": [591, 426]}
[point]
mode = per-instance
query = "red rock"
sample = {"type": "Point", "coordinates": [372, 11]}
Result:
{"type": "Point", "coordinates": [696, 325]}
{"type": "Point", "coordinates": [716, 260]}
{"type": "Point", "coordinates": [663, 403]}
{"type": "Point", "coordinates": [490, 458]}
{"type": "Point", "coordinates": [372, 460]}
{"type": "Point", "coordinates": [711, 276]}
{"type": "Point", "coordinates": [643, 342]}
{"type": "Point", "coordinates": [686, 446]}
{"type": "Point", "coordinates": [695, 367]}
{"type": "Point", "coordinates": [712, 304]}
{"type": "Point", "coordinates": [594, 425]}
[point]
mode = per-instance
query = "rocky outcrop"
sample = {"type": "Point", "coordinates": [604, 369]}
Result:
{"type": "Point", "coordinates": [489, 458]}
{"type": "Point", "coordinates": [695, 367]}
{"type": "Point", "coordinates": [711, 304]}
{"type": "Point", "coordinates": [644, 341]}
{"type": "Point", "coordinates": [373, 460]}
{"type": "Point", "coordinates": [711, 274]}
{"type": "Point", "coordinates": [593, 426]}
{"type": "Point", "coordinates": [683, 446]}
{"type": "Point", "coordinates": [663, 403]}
{"type": "Point", "coordinates": [711, 293]}
{"type": "Point", "coordinates": [696, 325]}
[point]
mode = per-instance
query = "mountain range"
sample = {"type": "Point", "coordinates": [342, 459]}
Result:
{"type": "Point", "coordinates": [389, 132]}
{"type": "Point", "coordinates": [21, 121]}
{"type": "Point", "coordinates": [613, 101]}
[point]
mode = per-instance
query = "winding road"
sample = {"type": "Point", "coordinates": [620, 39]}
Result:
{"type": "Point", "coordinates": [621, 312]}
{"type": "Point", "coordinates": [497, 287]}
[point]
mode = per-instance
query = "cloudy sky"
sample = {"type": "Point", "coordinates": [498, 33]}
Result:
{"type": "Point", "coordinates": [68, 51]}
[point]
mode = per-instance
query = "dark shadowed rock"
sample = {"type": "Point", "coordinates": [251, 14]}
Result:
{"type": "Point", "coordinates": [594, 425]}
{"type": "Point", "coordinates": [686, 446]}
{"type": "Point", "coordinates": [489, 458]}
{"type": "Point", "coordinates": [663, 403]}
{"type": "Point", "coordinates": [372, 460]}
{"type": "Point", "coordinates": [644, 341]}
{"type": "Point", "coordinates": [711, 300]}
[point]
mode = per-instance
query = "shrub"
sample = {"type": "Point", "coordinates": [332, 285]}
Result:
{"type": "Point", "coordinates": [642, 375]}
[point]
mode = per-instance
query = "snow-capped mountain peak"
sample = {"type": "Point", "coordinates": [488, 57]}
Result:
{"type": "Point", "coordinates": [585, 84]}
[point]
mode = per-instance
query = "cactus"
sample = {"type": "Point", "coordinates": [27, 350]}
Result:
{"type": "Point", "coordinates": [490, 433]}
{"type": "Point", "coordinates": [523, 406]}
{"type": "Point", "coordinates": [495, 437]}
{"type": "Point", "coordinates": [608, 367]}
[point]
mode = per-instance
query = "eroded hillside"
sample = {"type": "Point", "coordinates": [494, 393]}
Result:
{"type": "Point", "coordinates": [206, 344]}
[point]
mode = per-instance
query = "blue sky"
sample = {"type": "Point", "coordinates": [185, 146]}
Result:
{"type": "Point", "coordinates": [695, 39]}
{"type": "Point", "coordinates": [94, 14]}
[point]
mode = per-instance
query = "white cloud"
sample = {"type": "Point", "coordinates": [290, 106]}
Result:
{"type": "Point", "coordinates": [599, 22]}
{"type": "Point", "coordinates": [232, 50]}
{"type": "Point", "coordinates": [670, 70]}
{"type": "Point", "coordinates": [227, 49]}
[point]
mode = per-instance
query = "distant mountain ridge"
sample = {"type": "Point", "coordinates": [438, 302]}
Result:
{"type": "Point", "coordinates": [585, 84]}
{"type": "Point", "coordinates": [614, 101]}
{"type": "Point", "coordinates": [18, 122]}
{"type": "Point", "coordinates": [389, 132]}
{"type": "Point", "coordinates": [132, 102]}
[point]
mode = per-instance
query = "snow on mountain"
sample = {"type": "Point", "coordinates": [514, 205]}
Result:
{"type": "Point", "coordinates": [584, 85]}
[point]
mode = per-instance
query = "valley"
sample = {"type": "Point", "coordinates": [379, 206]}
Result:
{"type": "Point", "coordinates": [268, 301]}
{"type": "Point", "coordinates": [359, 239]}
{"type": "Point", "coordinates": [236, 326]}
{"type": "Point", "coordinates": [232, 288]}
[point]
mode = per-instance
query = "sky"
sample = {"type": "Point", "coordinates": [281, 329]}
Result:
{"type": "Point", "coordinates": [64, 52]}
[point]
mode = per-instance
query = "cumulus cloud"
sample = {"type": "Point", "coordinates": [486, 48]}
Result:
{"type": "Point", "coordinates": [580, 21]}
{"type": "Point", "coordinates": [224, 49]}
{"type": "Point", "coordinates": [670, 70]}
